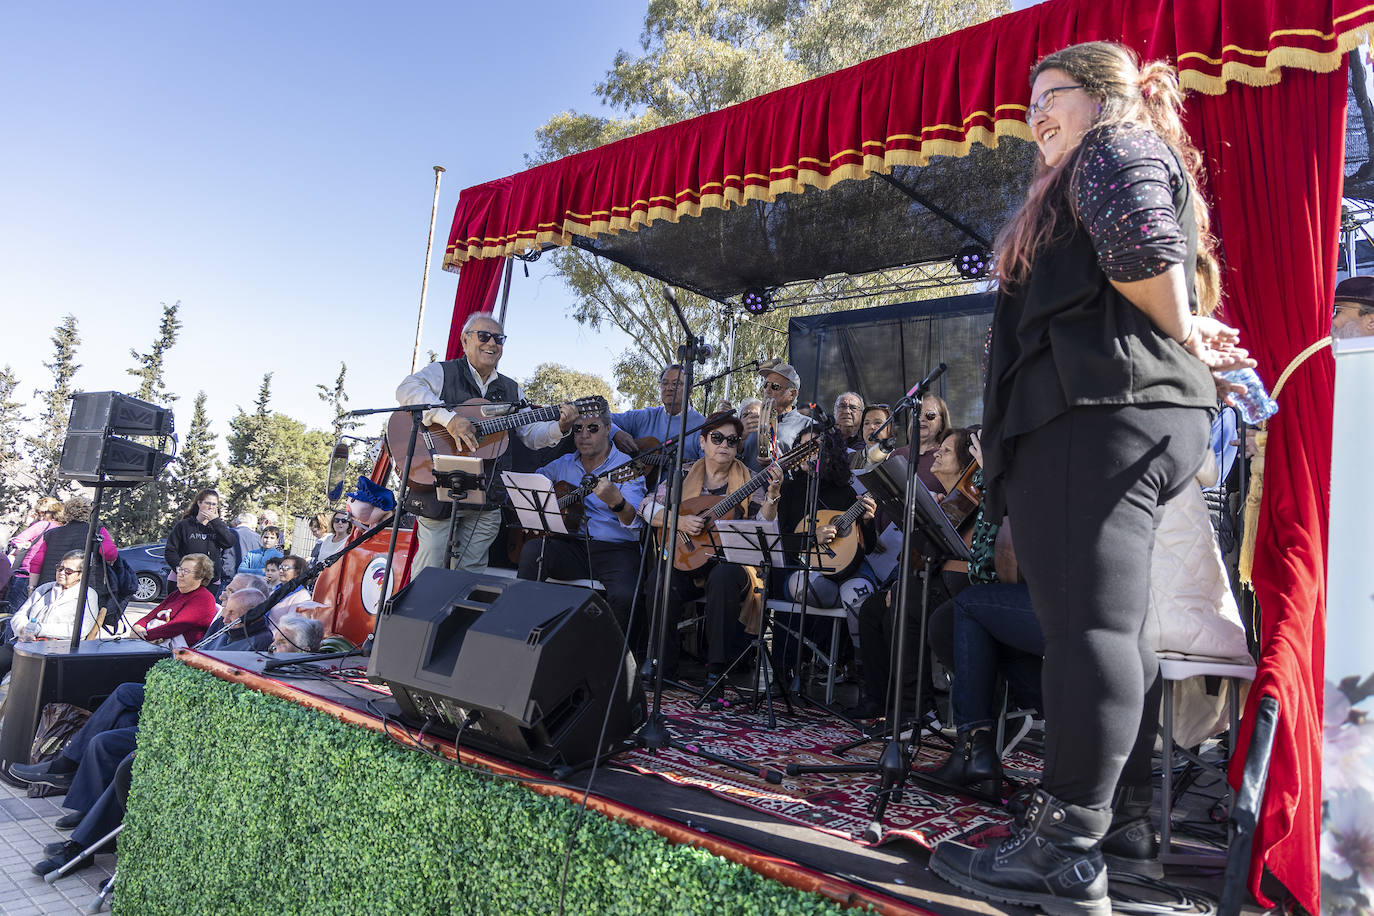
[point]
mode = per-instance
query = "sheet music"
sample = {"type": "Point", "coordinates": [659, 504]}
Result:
{"type": "Point", "coordinates": [535, 503]}
{"type": "Point", "coordinates": [739, 540]}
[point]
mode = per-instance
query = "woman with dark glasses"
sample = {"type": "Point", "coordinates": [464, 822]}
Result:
{"type": "Point", "coordinates": [726, 587]}
{"type": "Point", "coordinates": [50, 610]}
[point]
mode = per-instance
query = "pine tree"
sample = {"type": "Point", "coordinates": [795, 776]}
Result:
{"type": "Point", "coordinates": [13, 469]}
{"type": "Point", "coordinates": [245, 480]}
{"type": "Point", "coordinates": [196, 465]}
{"type": "Point", "coordinates": [45, 445]}
{"type": "Point", "coordinates": [337, 399]}
{"type": "Point", "coordinates": [144, 513]}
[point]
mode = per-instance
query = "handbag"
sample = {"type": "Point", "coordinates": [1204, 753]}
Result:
{"type": "Point", "coordinates": [56, 727]}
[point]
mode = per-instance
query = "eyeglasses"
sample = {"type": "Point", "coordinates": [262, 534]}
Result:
{"type": "Point", "coordinates": [931, 414]}
{"type": "Point", "coordinates": [589, 428]}
{"type": "Point", "coordinates": [1336, 312]}
{"type": "Point", "coordinates": [717, 438]}
{"type": "Point", "coordinates": [846, 406]}
{"type": "Point", "coordinates": [69, 570]}
{"type": "Point", "coordinates": [183, 571]}
{"type": "Point", "coordinates": [1046, 101]}
{"type": "Point", "coordinates": [341, 521]}
{"type": "Point", "coordinates": [775, 386]}
{"type": "Point", "coordinates": [489, 336]}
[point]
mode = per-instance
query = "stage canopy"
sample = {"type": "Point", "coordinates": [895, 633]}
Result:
{"type": "Point", "coordinates": [908, 157]}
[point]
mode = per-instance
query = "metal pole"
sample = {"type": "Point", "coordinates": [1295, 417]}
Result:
{"type": "Point", "coordinates": [424, 284]}
{"type": "Point", "coordinates": [92, 538]}
{"type": "Point", "coordinates": [730, 350]}
{"type": "Point", "coordinates": [505, 293]}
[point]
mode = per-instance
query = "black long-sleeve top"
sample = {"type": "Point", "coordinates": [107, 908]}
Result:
{"type": "Point", "coordinates": [189, 536]}
{"type": "Point", "coordinates": [1067, 338]}
{"type": "Point", "coordinates": [792, 511]}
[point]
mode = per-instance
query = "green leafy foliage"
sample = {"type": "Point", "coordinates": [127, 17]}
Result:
{"type": "Point", "coordinates": [695, 57]}
{"type": "Point", "coordinates": [554, 383]}
{"type": "Point", "coordinates": [13, 472]}
{"type": "Point", "coordinates": [244, 803]}
{"type": "Point", "coordinates": [196, 466]}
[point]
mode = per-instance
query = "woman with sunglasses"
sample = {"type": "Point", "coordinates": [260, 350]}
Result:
{"type": "Point", "coordinates": [183, 616]}
{"type": "Point", "coordinates": [340, 528]}
{"type": "Point", "coordinates": [1097, 408]}
{"type": "Point", "coordinates": [50, 610]}
{"type": "Point", "coordinates": [932, 422]}
{"type": "Point", "coordinates": [725, 586]}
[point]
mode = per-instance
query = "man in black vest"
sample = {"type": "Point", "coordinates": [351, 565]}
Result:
{"type": "Point", "coordinates": [453, 381]}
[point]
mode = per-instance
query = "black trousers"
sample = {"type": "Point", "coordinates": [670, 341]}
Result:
{"type": "Point", "coordinates": [723, 585]}
{"type": "Point", "coordinates": [1084, 494]}
{"type": "Point", "coordinates": [615, 564]}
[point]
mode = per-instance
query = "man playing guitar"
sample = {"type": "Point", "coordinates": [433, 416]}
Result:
{"type": "Point", "coordinates": [453, 381]}
{"type": "Point", "coordinates": [608, 546]}
{"type": "Point", "coordinates": [660, 423]}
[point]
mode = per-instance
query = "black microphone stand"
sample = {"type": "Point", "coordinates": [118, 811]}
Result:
{"type": "Point", "coordinates": [706, 383]}
{"type": "Point", "coordinates": [656, 734]}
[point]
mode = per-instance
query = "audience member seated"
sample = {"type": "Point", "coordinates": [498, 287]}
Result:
{"type": "Point", "coordinates": [229, 633]}
{"type": "Point", "coordinates": [255, 561]}
{"type": "Point", "coordinates": [50, 610]}
{"type": "Point", "coordinates": [292, 578]}
{"type": "Point", "coordinates": [271, 571]}
{"type": "Point", "coordinates": [180, 620]}
{"type": "Point", "coordinates": [726, 587]}
{"type": "Point", "coordinates": [297, 633]}
{"type": "Point", "coordinates": [606, 547]}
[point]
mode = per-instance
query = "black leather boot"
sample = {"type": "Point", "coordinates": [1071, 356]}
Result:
{"type": "Point", "coordinates": [973, 764]}
{"type": "Point", "coordinates": [1052, 862]}
{"type": "Point", "coordinates": [1131, 845]}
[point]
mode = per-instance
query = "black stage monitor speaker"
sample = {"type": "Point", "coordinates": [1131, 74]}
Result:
{"type": "Point", "coordinates": [93, 453]}
{"type": "Point", "coordinates": [535, 664]}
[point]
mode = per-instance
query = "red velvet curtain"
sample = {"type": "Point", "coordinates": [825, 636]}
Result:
{"type": "Point", "coordinates": [1274, 162]}
{"type": "Point", "coordinates": [477, 285]}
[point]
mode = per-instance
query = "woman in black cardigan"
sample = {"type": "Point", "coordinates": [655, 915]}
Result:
{"type": "Point", "coordinates": [1099, 395]}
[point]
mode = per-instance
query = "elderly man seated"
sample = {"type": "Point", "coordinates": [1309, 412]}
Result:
{"type": "Point", "coordinates": [230, 632]}
{"type": "Point", "coordinates": [298, 633]}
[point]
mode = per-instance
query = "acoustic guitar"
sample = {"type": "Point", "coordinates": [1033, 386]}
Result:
{"type": "Point", "coordinates": [693, 551]}
{"type": "Point", "coordinates": [490, 432]}
{"type": "Point", "coordinates": [839, 553]}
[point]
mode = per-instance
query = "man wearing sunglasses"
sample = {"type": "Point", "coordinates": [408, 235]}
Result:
{"type": "Point", "coordinates": [663, 422]}
{"type": "Point", "coordinates": [454, 381]}
{"type": "Point", "coordinates": [780, 385]}
{"type": "Point", "coordinates": [607, 544]}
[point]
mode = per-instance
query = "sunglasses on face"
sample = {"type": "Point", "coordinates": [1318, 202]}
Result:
{"type": "Point", "coordinates": [589, 428]}
{"type": "Point", "coordinates": [69, 571]}
{"type": "Point", "coordinates": [718, 438]}
{"type": "Point", "coordinates": [489, 336]}
{"type": "Point", "coordinates": [931, 414]}
{"type": "Point", "coordinates": [341, 521]}
{"type": "Point", "coordinates": [775, 386]}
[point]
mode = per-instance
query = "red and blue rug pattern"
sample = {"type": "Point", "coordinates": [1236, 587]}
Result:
{"type": "Point", "coordinates": [837, 803]}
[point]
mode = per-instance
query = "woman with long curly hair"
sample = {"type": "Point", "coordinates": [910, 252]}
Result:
{"type": "Point", "coordinates": [1097, 409]}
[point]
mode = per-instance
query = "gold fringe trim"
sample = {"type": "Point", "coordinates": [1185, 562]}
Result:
{"type": "Point", "coordinates": [898, 149]}
{"type": "Point", "coordinates": [1256, 493]}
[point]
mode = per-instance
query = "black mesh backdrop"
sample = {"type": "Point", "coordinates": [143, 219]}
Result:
{"type": "Point", "coordinates": [881, 352]}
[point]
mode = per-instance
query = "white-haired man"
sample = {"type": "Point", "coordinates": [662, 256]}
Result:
{"type": "Point", "coordinates": [454, 381]}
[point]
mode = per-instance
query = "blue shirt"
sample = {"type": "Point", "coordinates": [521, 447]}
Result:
{"type": "Point", "coordinates": [602, 524]}
{"type": "Point", "coordinates": [654, 421]}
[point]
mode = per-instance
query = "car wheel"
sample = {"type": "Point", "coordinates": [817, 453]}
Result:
{"type": "Point", "coordinates": [148, 588]}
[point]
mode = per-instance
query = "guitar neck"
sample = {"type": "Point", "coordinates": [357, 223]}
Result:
{"type": "Point", "coordinates": [851, 515]}
{"type": "Point", "coordinates": [511, 421]}
{"type": "Point", "coordinates": [740, 495]}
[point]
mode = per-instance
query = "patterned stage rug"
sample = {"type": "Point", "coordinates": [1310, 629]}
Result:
{"type": "Point", "coordinates": [836, 803]}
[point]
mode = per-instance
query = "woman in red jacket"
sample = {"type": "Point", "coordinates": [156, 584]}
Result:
{"type": "Point", "coordinates": [181, 619]}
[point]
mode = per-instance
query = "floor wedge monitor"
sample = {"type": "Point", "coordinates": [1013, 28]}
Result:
{"type": "Point", "coordinates": [533, 669]}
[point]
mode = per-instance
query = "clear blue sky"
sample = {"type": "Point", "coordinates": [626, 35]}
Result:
{"type": "Point", "coordinates": [269, 165]}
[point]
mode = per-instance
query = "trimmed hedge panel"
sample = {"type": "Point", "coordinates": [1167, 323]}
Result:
{"type": "Point", "coordinates": [246, 803]}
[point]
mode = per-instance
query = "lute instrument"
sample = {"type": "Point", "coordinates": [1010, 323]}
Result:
{"type": "Point", "coordinates": [693, 551]}
{"type": "Point", "coordinates": [840, 552]}
{"type": "Point", "coordinates": [434, 439]}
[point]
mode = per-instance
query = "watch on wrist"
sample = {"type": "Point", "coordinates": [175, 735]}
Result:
{"type": "Point", "coordinates": [618, 507]}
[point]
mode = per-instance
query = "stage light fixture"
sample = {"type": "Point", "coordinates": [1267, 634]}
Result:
{"type": "Point", "coordinates": [973, 262]}
{"type": "Point", "coordinates": [757, 300]}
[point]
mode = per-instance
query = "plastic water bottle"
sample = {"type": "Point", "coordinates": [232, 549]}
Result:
{"type": "Point", "coordinates": [1255, 405]}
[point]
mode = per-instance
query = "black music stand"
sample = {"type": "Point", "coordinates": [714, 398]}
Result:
{"type": "Point", "coordinates": [757, 543]}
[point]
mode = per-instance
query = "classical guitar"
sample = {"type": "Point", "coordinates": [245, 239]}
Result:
{"type": "Point", "coordinates": [693, 551]}
{"type": "Point", "coordinates": [840, 552]}
{"type": "Point", "coordinates": [571, 505]}
{"type": "Point", "coordinates": [490, 432]}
